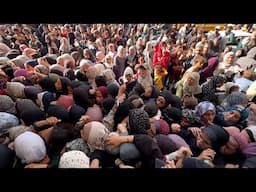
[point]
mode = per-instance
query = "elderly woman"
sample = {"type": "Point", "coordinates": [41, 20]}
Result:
{"type": "Point", "coordinates": [189, 86]}
{"type": "Point", "coordinates": [232, 115]}
{"type": "Point", "coordinates": [206, 111]}
{"type": "Point", "coordinates": [228, 63]}
{"type": "Point", "coordinates": [120, 62]}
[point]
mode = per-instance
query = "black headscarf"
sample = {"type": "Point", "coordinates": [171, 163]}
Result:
{"type": "Point", "coordinates": [100, 81]}
{"type": "Point", "coordinates": [171, 99]}
{"type": "Point", "coordinates": [165, 144]}
{"type": "Point", "coordinates": [7, 156]}
{"type": "Point", "coordinates": [151, 108]}
{"type": "Point", "coordinates": [31, 116]}
{"type": "Point", "coordinates": [148, 148]}
{"type": "Point", "coordinates": [58, 111]}
{"type": "Point", "coordinates": [75, 113]}
{"type": "Point", "coordinates": [112, 89]}
{"type": "Point", "coordinates": [47, 84]}
{"type": "Point", "coordinates": [172, 115]}
{"type": "Point", "coordinates": [25, 105]}
{"type": "Point", "coordinates": [107, 105]}
{"type": "Point", "coordinates": [65, 83]}
{"type": "Point", "coordinates": [121, 112]}
{"type": "Point", "coordinates": [81, 96]}
{"type": "Point", "coordinates": [217, 135]}
{"type": "Point", "coordinates": [47, 98]}
{"type": "Point", "coordinates": [31, 92]}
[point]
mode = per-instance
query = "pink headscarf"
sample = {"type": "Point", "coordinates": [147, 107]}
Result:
{"type": "Point", "coordinates": [65, 100]}
{"type": "Point", "coordinates": [95, 113]}
{"type": "Point", "coordinates": [21, 72]}
{"type": "Point", "coordinates": [240, 138]}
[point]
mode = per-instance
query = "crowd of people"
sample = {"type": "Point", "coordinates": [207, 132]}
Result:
{"type": "Point", "coordinates": [127, 96]}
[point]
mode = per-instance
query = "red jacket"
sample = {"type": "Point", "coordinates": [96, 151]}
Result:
{"type": "Point", "coordinates": [160, 58]}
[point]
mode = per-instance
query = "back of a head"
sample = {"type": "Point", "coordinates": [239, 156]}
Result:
{"type": "Point", "coordinates": [74, 159]}
{"type": "Point", "coordinates": [29, 147]}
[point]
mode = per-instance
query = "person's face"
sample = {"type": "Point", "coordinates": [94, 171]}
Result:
{"type": "Point", "coordinates": [158, 68]}
{"type": "Point", "coordinates": [164, 46]}
{"type": "Point", "coordinates": [98, 96]}
{"type": "Point", "coordinates": [232, 116]}
{"type": "Point", "coordinates": [230, 59]}
{"type": "Point", "coordinates": [244, 103]}
{"type": "Point", "coordinates": [108, 60]}
{"type": "Point", "coordinates": [58, 85]}
{"type": "Point", "coordinates": [160, 101]}
{"type": "Point", "coordinates": [128, 77]}
{"type": "Point", "coordinates": [142, 72]}
{"type": "Point", "coordinates": [230, 148]}
{"type": "Point", "coordinates": [206, 49]}
{"type": "Point", "coordinates": [148, 91]}
{"type": "Point", "coordinates": [132, 51]}
{"type": "Point", "coordinates": [203, 141]}
{"type": "Point", "coordinates": [152, 130]}
{"type": "Point", "coordinates": [184, 122]}
{"type": "Point", "coordinates": [199, 64]}
{"type": "Point", "coordinates": [219, 84]}
{"type": "Point", "coordinates": [191, 81]}
{"type": "Point", "coordinates": [87, 55]}
{"type": "Point", "coordinates": [238, 53]}
{"type": "Point", "coordinates": [198, 50]}
{"type": "Point", "coordinates": [208, 117]}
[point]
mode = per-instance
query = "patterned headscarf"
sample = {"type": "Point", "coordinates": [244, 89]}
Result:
{"type": "Point", "coordinates": [95, 133]}
{"type": "Point", "coordinates": [7, 121]}
{"type": "Point", "coordinates": [74, 159]}
{"type": "Point", "coordinates": [191, 116]}
{"type": "Point", "coordinates": [235, 98]}
{"type": "Point", "coordinates": [138, 121]}
{"type": "Point", "coordinates": [77, 144]}
{"type": "Point", "coordinates": [209, 88]}
{"type": "Point", "coordinates": [203, 107]}
{"type": "Point", "coordinates": [3, 83]}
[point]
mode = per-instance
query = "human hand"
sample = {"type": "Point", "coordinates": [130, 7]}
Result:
{"type": "Point", "coordinates": [121, 127]}
{"type": "Point", "coordinates": [183, 152]}
{"type": "Point", "coordinates": [53, 120]}
{"type": "Point", "coordinates": [36, 166]}
{"type": "Point", "coordinates": [207, 154]}
{"type": "Point", "coordinates": [169, 164]}
{"type": "Point", "coordinates": [114, 140]}
{"type": "Point", "coordinates": [175, 128]}
{"type": "Point", "coordinates": [85, 119]}
{"type": "Point", "coordinates": [196, 131]}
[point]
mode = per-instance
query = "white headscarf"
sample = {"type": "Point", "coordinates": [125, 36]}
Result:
{"type": "Point", "coordinates": [74, 159]}
{"type": "Point", "coordinates": [192, 89]}
{"type": "Point", "coordinates": [29, 147]}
